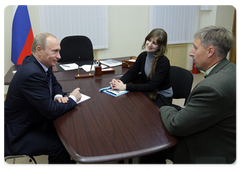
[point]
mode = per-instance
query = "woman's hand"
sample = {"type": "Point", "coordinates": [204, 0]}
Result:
{"type": "Point", "coordinates": [116, 84]}
{"type": "Point", "coordinates": [112, 83]}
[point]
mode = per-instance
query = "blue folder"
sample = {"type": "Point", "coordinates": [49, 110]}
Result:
{"type": "Point", "coordinates": [114, 93]}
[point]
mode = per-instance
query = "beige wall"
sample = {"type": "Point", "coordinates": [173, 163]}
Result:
{"type": "Point", "coordinates": [128, 26]}
{"type": "Point", "coordinates": [8, 13]}
{"type": "Point", "coordinates": [225, 16]}
{"type": "Point", "coordinates": [220, 16]}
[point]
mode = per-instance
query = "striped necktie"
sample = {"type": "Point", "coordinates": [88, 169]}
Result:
{"type": "Point", "coordinates": [49, 78]}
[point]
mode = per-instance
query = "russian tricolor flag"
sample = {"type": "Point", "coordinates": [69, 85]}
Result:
{"type": "Point", "coordinates": [22, 35]}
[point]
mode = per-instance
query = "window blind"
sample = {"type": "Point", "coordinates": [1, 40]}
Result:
{"type": "Point", "coordinates": [62, 21]}
{"type": "Point", "coordinates": [180, 22]}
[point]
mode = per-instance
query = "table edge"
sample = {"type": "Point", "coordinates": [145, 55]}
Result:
{"type": "Point", "coordinates": [119, 156]}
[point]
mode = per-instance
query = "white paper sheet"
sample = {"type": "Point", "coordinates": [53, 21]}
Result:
{"type": "Point", "coordinates": [70, 66]}
{"type": "Point", "coordinates": [87, 68]}
{"type": "Point", "coordinates": [84, 98]}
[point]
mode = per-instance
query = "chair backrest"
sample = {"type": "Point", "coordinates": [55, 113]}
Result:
{"type": "Point", "coordinates": [31, 158]}
{"type": "Point", "coordinates": [181, 80]}
{"type": "Point", "coordinates": [74, 46]}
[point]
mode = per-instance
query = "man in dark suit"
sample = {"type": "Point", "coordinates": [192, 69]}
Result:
{"type": "Point", "coordinates": [206, 126]}
{"type": "Point", "coordinates": [33, 101]}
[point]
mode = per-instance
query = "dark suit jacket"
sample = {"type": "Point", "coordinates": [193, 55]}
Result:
{"type": "Point", "coordinates": [206, 127]}
{"type": "Point", "coordinates": [30, 109]}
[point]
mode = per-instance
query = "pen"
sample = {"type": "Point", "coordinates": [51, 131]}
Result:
{"type": "Point", "coordinates": [105, 88]}
{"type": "Point", "coordinates": [91, 69]}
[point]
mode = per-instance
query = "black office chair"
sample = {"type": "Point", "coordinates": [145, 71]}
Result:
{"type": "Point", "coordinates": [74, 46]}
{"type": "Point", "coordinates": [181, 80]}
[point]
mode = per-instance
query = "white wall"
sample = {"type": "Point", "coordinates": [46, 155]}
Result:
{"type": "Point", "coordinates": [128, 26]}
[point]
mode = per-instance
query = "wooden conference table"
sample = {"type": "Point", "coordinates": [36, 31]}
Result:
{"type": "Point", "coordinates": [106, 128]}
{"type": "Point", "coordinates": [66, 75]}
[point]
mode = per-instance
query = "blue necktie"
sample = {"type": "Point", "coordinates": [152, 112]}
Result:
{"type": "Point", "coordinates": [49, 78]}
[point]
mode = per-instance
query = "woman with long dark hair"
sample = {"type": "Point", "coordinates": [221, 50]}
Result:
{"type": "Point", "coordinates": [155, 69]}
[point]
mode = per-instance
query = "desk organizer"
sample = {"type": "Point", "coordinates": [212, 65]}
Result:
{"type": "Point", "coordinates": [83, 76]}
{"type": "Point", "coordinates": [128, 63]}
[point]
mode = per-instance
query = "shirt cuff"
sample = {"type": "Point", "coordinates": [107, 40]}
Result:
{"type": "Point", "coordinates": [73, 97]}
{"type": "Point", "coordinates": [58, 95]}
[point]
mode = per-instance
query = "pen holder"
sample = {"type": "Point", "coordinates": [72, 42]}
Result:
{"type": "Point", "coordinates": [98, 70]}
